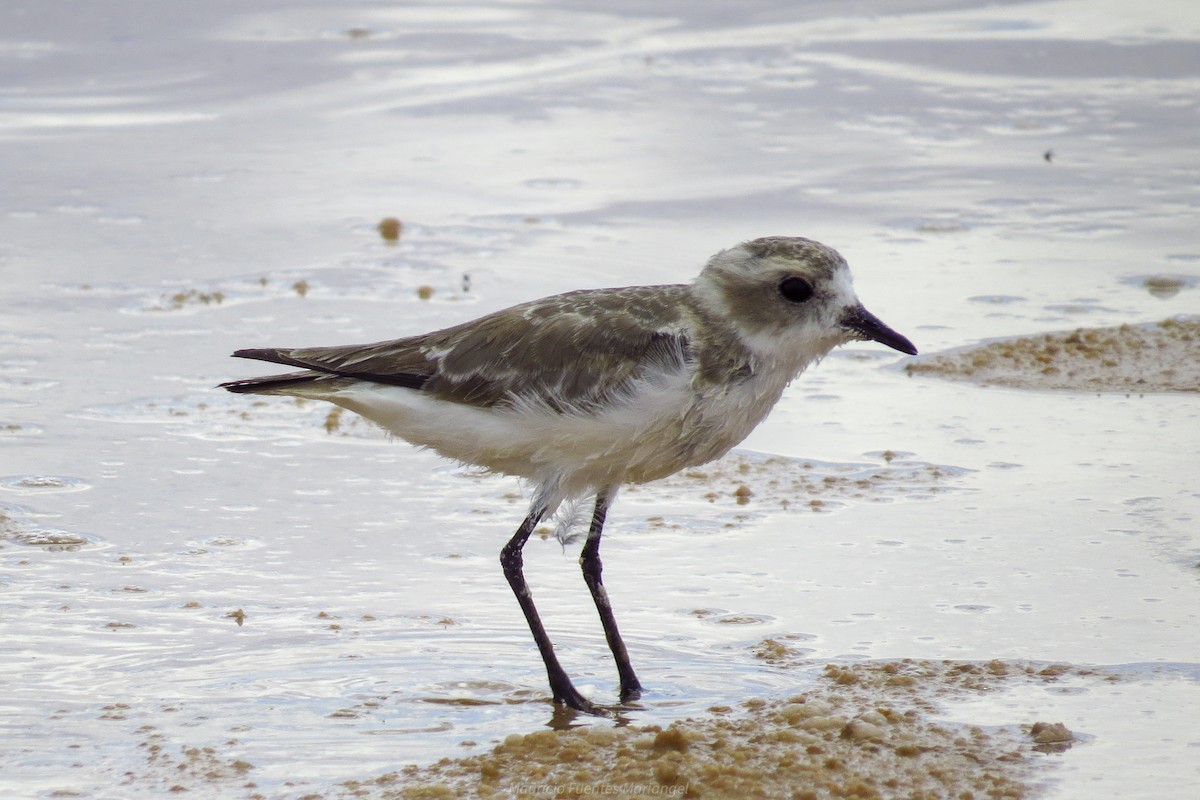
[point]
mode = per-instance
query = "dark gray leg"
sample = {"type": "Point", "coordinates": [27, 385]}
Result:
{"type": "Point", "coordinates": [512, 562]}
{"type": "Point", "coordinates": [589, 560]}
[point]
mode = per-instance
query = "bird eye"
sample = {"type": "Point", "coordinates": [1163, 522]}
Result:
{"type": "Point", "coordinates": [795, 290]}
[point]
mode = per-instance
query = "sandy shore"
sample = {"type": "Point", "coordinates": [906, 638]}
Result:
{"type": "Point", "coordinates": [1129, 358]}
{"type": "Point", "coordinates": [864, 730]}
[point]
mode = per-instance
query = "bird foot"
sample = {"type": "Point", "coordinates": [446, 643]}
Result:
{"type": "Point", "coordinates": [572, 699]}
{"type": "Point", "coordinates": [568, 698]}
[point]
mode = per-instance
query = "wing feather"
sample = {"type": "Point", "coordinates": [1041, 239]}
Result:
{"type": "Point", "coordinates": [567, 351]}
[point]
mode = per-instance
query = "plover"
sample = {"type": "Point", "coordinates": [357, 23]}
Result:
{"type": "Point", "coordinates": [583, 392]}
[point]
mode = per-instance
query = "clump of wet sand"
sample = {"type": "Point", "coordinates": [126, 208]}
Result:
{"type": "Point", "coordinates": [865, 731]}
{"type": "Point", "coordinates": [1161, 357]}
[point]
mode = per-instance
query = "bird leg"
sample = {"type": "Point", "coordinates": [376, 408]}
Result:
{"type": "Point", "coordinates": [512, 562]}
{"type": "Point", "coordinates": [589, 561]}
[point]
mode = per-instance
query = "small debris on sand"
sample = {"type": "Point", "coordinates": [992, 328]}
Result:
{"type": "Point", "coordinates": [1051, 736]}
{"type": "Point", "coordinates": [390, 229]}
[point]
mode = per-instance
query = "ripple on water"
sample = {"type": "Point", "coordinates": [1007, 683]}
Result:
{"type": "Point", "coordinates": [380, 279]}
{"type": "Point", "coordinates": [12, 428]}
{"type": "Point", "coordinates": [971, 608]}
{"type": "Point", "coordinates": [21, 530]}
{"type": "Point", "coordinates": [997, 299]}
{"type": "Point", "coordinates": [25, 384]}
{"type": "Point", "coordinates": [41, 484]}
{"type": "Point", "coordinates": [720, 616]}
{"type": "Point", "coordinates": [743, 619]}
{"type": "Point", "coordinates": [205, 546]}
{"type": "Point", "coordinates": [553, 183]}
{"type": "Point", "coordinates": [1163, 285]}
{"type": "Point", "coordinates": [19, 524]}
{"type": "Point", "coordinates": [48, 538]}
{"type": "Point", "coordinates": [214, 415]}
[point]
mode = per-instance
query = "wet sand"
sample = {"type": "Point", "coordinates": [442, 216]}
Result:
{"type": "Point", "coordinates": [864, 730]}
{"type": "Point", "coordinates": [1128, 358]}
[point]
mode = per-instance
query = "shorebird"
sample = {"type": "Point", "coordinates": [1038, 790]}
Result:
{"type": "Point", "coordinates": [580, 393]}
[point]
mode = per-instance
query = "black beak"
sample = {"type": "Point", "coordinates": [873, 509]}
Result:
{"type": "Point", "coordinates": [866, 325]}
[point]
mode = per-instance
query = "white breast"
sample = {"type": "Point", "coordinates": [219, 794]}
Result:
{"type": "Point", "coordinates": [663, 425]}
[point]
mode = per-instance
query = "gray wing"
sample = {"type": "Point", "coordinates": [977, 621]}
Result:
{"type": "Point", "coordinates": [570, 350]}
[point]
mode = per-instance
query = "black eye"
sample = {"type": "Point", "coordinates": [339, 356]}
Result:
{"type": "Point", "coordinates": [795, 290]}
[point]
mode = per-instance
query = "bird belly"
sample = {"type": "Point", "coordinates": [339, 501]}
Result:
{"type": "Point", "coordinates": [659, 428]}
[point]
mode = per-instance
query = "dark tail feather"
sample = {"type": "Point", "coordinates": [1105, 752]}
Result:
{"type": "Point", "coordinates": [410, 380]}
{"type": "Point", "coordinates": [271, 354]}
{"type": "Point", "coordinates": [252, 385]}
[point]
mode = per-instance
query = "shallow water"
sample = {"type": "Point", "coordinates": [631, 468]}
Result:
{"type": "Point", "coordinates": [181, 182]}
